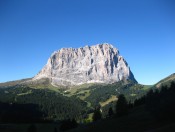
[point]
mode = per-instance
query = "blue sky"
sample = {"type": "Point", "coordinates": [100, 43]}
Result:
{"type": "Point", "coordinates": [143, 31]}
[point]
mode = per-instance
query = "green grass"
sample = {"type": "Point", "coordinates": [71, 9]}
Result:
{"type": "Point", "coordinates": [88, 119]}
{"type": "Point", "coordinates": [133, 95]}
{"type": "Point", "coordinates": [83, 94]}
{"type": "Point", "coordinates": [111, 99]}
{"type": "Point", "coordinates": [147, 87]}
{"type": "Point", "coordinates": [88, 104]}
{"type": "Point", "coordinates": [76, 89]}
{"type": "Point", "coordinates": [28, 92]}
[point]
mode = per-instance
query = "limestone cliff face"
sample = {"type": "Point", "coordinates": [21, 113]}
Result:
{"type": "Point", "coordinates": [91, 64]}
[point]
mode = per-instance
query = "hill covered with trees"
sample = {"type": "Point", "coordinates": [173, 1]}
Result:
{"type": "Point", "coordinates": [120, 106]}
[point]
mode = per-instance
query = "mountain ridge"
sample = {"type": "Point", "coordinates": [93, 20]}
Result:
{"type": "Point", "coordinates": [166, 81]}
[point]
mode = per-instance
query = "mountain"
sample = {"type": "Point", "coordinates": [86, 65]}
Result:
{"type": "Point", "coordinates": [166, 81]}
{"type": "Point", "coordinates": [100, 63]}
{"type": "Point", "coordinates": [104, 75]}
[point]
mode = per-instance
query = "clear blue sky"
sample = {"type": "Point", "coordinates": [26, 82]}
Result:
{"type": "Point", "coordinates": [143, 31]}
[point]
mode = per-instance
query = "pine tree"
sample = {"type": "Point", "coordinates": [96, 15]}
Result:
{"type": "Point", "coordinates": [110, 112]}
{"type": "Point", "coordinates": [121, 106]}
{"type": "Point", "coordinates": [97, 114]}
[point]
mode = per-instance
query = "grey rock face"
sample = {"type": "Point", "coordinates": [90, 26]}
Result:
{"type": "Point", "coordinates": [95, 64]}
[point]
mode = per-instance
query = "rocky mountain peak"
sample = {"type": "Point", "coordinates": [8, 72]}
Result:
{"type": "Point", "coordinates": [100, 63]}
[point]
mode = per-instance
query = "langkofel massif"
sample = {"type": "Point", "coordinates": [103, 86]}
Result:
{"type": "Point", "coordinates": [100, 63]}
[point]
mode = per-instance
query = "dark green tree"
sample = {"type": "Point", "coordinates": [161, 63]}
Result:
{"type": "Point", "coordinates": [110, 112]}
{"type": "Point", "coordinates": [97, 114]}
{"type": "Point", "coordinates": [172, 86]}
{"type": "Point", "coordinates": [121, 106]}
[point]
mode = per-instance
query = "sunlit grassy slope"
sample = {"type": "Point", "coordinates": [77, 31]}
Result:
{"type": "Point", "coordinates": [166, 81]}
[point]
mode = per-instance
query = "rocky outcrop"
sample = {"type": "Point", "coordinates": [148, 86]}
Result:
{"type": "Point", "coordinates": [101, 63]}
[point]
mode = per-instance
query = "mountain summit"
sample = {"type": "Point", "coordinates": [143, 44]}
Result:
{"type": "Point", "coordinates": [100, 63]}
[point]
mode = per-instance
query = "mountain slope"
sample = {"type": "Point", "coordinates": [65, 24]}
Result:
{"type": "Point", "coordinates": [154, 112]}
{"type": "Point", "coordinates": [13, 83]}
{"type": "Point", "coordinates": [166, 81]}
